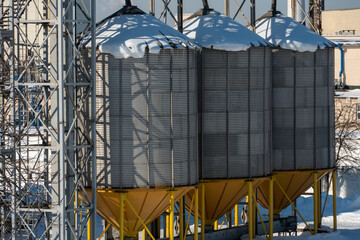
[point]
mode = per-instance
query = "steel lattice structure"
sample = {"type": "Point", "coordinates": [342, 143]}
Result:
{"type": "Point", "coordinates": [43, 152]}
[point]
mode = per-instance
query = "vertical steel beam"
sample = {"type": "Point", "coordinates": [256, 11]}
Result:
{"type": "Point", "coordinates": [203, 215]}
{"type": "Point", "coordinates": [227, 8]}
{"type": "Point", "coordinates": [333, 175]}
{"type": "Point", "coordinates": [316, 202]}
{"type": "Point", "coordinates": [250, 210]}
{"type": "Point", "coordinates": [271, 208]}
{"type": "Point", "coordinates": [93, 121]}
{"type": "Point", "coordinates": [152, 7]}
{"type": "Point", "coordinates": [181, 218]}
{"type": "Point", "coordinates": [236, 215]}
{"type": "Point", "coordinates": [196, 214]}
{"type": "Point", "coordinates": [121, 218]}
{"type": "Point", "coordinates": [252, 14]}
{"type": "Point", "coordinates": [171, 217]}
{"type": "Point", "coordinates": [216, 225]}
{"type": "Point", "coordinates": [180, 16]}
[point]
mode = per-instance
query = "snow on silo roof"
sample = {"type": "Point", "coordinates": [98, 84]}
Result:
{"type": "Point", "coordinates": [288, 34]}
{"type": "Point", "coordinates": [128, 35]}
{"type": "Point", "coordinates": [218, 31]}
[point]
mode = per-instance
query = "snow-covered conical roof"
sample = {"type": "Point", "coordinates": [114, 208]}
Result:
{"type": "Point", "coordinates": [218, 31]}
{"type": "Point", "coordinates": [127, 34]}
{"type": "Point", "coordinates": [288, 34]}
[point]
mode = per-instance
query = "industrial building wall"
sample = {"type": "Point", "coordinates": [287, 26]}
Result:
{"type": "Point", "coordinates": [335, 22]}
{"type": "Point", "coordinates": [351, 74]}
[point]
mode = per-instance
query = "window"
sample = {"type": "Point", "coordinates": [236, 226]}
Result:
{"type": "Point", "coordinates": [358, 111]}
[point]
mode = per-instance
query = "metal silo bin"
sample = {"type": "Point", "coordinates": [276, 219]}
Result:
{"type": "Point", "coordinates": [303, 108]}
{"type": "Point", "coordinates": [235, 145]}
{"type": "Point", "coordinates": [146, 106]}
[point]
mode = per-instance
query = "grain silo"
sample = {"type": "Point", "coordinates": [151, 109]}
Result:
{"type": "Point", "coordinates": [146, 126]}
{"type": "Point", "coordinates": [235, 114]}
{"type": "Point", "coordinates": [303, 108]}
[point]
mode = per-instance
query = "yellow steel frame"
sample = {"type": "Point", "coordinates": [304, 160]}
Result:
{"type": "Point", "coordinates": [316, 199]}
{"type": "Point", "coordinates": [171, 217]}
{"type": "Point", "coordinates": [188, 219]}
{"type": "Point", "coordinates": [333, 175]}
{"type": "Point", "coordinates": [236, 215]}
{"type": "Point", "coordinates": [297, 211]}
{"type": "Point", "coordinates": [107, 227]}
{"type": "Point", "coordinates": [196, 215]}
{"type": "Point", "coordinates": [258, 211]}
{"type": "Point", "coordinates": [250, 210]}
{"type": "Point", "coordinates": [216, 225]}
{"type": "Point", "coordinates": [271, 208]}
{"type": "Point", "coordinates": [181, 217]}
{"type": "Point", "coordinates": [203, 215]}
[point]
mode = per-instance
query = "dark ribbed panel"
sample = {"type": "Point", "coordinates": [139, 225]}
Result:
{"type": "Point", "coordinates": [147, 120]}
{"type": "Point", "coordinates": [236, 127]}
{"type": "Point", "coordinates": [302, 110]}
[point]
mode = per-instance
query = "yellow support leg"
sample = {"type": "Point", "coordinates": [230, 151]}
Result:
{"type": "Point", "coordinates": [196, 214]}
{"type": "Point", "coordinates": [250, 210]}
{"type": "Point", "coordinates": [271, 208]}
{"type": "Point", "coordinates": [181, 216]}
{"type": "Point", "coordinates": [171, 217]}
{"type": "Point", "coordinates": [216, 225]}
{"type": "Point", "coordinates": [167, 223]}
{"type": "Point", "coordinates": [316, 203]}
{"type": "Point", "coordinates": [143, 234]}
{"type": "Point", "coordinates": [88, 237]}
{"type": "Point", "coordinates": [334, 198]}
{"type": "Point", "coordinates": [236, 215]}
{"type": "Point", "coordinates": [202, 199]}
{"type": "Point", "coordinates": [121, 220]}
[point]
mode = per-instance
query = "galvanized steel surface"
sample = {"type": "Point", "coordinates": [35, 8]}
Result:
{"type": "Point", "coordinates": [147, 120]}
{"type": "Point", "coordinates": [303, 109]}
{"type": "Point", "coordinates": [236, 113]}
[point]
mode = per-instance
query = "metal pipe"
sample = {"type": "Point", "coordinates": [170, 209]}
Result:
{"type": "Point", "coordinates": [88, 235]}
{"type": "Point", "coordinates": [180, 16]}
{"type": "Point", "coordinates": [271, 208]}
{"type": "Point", "coordinates": [341, 61]}
{"type": "Point", "coordinates": [227, 7]}
{"type": "Point", "coordinates": [316, 202]}
{"type": "Point", "coordinates": [152, 7]}
{"type": "Point", "coordinates": [205, 4]}
{"type": "Point", "coordinates": [216, 225]}
{"type": "Point", "coordinates": [121, 218]}
{"type": "Point", "coordinates": [202, 199]}
{"type": "Point", "coordinates": [273, 7]}
{"type": "Point", "coordinates": [171, 217]}
{"type": "Point", "coordinates": [250, 210]}
{"type": "Point", "coordinates": [167, 231]}
{"type": "Point", "coordinates": [236, 215]}
{"type": "Point", "coordinates": [253, 15]}
{"type": "Point", "coordinates": [128, 3]}
{"type": "Point", "coordinates": [196, 214]}
{"type": "Point", "coordinates": [334, 199]}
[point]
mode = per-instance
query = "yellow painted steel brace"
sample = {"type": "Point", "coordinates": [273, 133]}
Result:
{"type": "Point", "coordinates": [297, 211]}
{"type": "Point", "coordinates": [236, 215]}
{"type": "Point", "coordinates": [171, 217]}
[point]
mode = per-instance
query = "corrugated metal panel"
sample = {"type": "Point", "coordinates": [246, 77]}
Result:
{"type": "Point", "coordinates": [233, 113]}
{"type": "Point", "coordinates": [138, 102]}
{"type": "Point", "coordinates": [301, 135]}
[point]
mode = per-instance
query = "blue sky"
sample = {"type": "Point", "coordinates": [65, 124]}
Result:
{"type": "Point", "coordinates": [107, 7]}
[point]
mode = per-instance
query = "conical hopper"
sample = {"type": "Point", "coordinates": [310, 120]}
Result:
{"type": "Point", "coordinates": [147, 203]}
{"type": "Point", "coordinates": [294, 183]}
{"type": "Point", "coordinates": [220, 196]}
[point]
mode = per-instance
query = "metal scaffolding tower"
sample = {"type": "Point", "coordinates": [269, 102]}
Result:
{"type": "Point", "coordinates": [43, 151]}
